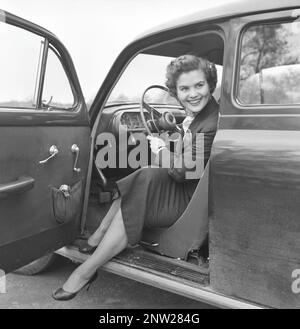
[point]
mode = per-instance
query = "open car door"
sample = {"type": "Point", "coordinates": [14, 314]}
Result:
{"type": "Point", "coordinates": [45, 144]}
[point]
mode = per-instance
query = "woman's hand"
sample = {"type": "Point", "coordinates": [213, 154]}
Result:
{"type": "Point", "coordinates": [156, 144]}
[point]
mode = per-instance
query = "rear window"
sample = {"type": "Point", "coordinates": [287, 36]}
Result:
{"type": "Point", "coordinates": [270, 65]}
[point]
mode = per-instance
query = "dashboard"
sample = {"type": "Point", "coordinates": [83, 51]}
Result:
{"type": "Point", "coordinates": [128, 116]}
{"type": "Point", "coordinates": [133, 120]}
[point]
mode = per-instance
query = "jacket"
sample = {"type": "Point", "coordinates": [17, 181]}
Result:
{"type": "Point", "coordinates": [193, 149]}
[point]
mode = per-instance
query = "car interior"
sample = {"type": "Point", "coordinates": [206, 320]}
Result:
{"type": "Point", "coordinates": [184, 241]}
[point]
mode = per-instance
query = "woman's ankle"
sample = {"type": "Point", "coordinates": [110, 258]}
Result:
{"type": "Point", "coordinates": [76, 282]}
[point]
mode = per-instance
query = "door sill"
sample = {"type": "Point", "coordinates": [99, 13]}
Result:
{"type": "Point", "coordinates": [175, 276]}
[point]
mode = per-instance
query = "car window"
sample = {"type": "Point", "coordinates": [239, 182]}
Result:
{"type": "Point", "coordinates": [57, 92]}
{"type": "Point", "coordinates": [270, 65]}
{"type": "Point", "coordinates": [19, 62]}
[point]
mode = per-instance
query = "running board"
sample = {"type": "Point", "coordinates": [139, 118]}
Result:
{"type": "Point", "coordinates": [181, 280]}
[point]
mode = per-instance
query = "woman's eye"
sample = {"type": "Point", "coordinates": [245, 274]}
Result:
{"type": "Point", "coordinates": [183, 89]}
{"type": "Point", "coordinates": [199, 85]}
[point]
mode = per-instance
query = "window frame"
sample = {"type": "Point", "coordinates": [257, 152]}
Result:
{"type": "Point", "coordinates": [75, 100]}
{"type": "Point", "coordinates": [40, 78]}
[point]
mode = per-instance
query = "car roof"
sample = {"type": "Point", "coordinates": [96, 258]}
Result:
{"type": "Point", "coordinates": [230, 9]}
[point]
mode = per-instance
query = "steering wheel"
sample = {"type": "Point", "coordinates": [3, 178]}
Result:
{"type": "Point", "coordinates": [159, 121]}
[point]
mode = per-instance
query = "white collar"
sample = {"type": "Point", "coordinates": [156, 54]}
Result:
{"type": "Point", "coordinates": [186, 122]}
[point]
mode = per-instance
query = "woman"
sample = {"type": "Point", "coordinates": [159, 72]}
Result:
{"type": "Point", "coordinates": [156, 197]}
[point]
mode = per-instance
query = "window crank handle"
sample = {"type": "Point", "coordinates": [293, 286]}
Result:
{"type": "Point", "coordinates": [53, 151]}
{"type": "Point", "coordinates": [75, 149]}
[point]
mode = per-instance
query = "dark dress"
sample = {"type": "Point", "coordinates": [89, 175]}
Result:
{"type": "Point", "coordinates": [156, 197]}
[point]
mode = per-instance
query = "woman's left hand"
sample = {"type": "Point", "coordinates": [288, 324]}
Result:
{"type": "Point", "coordinates": [156, 144]}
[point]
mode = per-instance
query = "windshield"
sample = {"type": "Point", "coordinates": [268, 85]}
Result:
{"type": "Point", "coordinates": [142, 72]}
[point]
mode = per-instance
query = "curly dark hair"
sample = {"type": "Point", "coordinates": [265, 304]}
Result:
{"type": "Point", "coordinates": [187, 63]}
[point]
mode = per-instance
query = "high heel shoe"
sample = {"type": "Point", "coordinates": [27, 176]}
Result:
{"type": "Point", "coordinates": [86, 248]}
{"type": "Point", "coordinates": [61, 294]}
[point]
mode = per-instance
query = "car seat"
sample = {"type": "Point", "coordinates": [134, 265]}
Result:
{"type": "Point", "coordinates": [188, 232]}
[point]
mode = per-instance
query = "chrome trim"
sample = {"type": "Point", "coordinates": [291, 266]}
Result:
{"type": "Point", "coordinates": [75, 149]}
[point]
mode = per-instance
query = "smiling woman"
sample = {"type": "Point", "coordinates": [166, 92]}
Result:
{"type": "Point", "coordinates": [192, 84]}
{"type": "Point", "coordinates": [161, 193]}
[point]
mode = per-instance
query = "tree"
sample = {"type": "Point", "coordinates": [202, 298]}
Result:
{"type": "Point", "coordinates": [265, 46]}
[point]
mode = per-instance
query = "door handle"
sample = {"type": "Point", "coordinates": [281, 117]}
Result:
{"type": "Point", "coordinates": [53, 151]}
{"type": "Point", "coordinates": [20, 185]}
{"type": "Point", "coordinates": [75, 149]}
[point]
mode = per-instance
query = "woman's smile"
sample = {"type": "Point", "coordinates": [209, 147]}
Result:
{"type": "Point", "coordinates": [195, 101]}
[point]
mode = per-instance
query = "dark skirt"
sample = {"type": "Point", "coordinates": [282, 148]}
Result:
{"type": "Point", "coordinates": [152, 198]}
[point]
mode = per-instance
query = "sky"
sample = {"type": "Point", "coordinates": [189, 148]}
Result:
{"type": "Point", "coordinates": [95, 31]}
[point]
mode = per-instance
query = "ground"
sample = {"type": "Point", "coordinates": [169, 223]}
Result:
{"type": "Point", "coordinates": [108, 292]}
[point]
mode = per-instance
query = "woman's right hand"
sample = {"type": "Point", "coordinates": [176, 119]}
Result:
{"type": "Point", "coordinates": [156, 144]}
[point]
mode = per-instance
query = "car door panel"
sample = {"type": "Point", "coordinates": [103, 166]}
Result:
{"type": "Point", "coordinates": [29, 210]}
{"type": "Point", "coordinates": [254, 245]}
{"type": "Point", "coordinates": [40, 201]}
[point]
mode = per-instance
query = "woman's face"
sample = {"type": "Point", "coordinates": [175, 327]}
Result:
{"type": "Point", "coordinates": [193, 90]}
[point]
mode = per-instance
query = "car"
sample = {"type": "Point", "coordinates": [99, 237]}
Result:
{"type": "Point", "coordinates": [55, 186]}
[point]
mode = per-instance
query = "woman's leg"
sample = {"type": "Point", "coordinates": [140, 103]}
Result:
{"type": "Point", "coordinates": [97, 236]}
{"type": "Point", "coordinates": [113, 242]}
